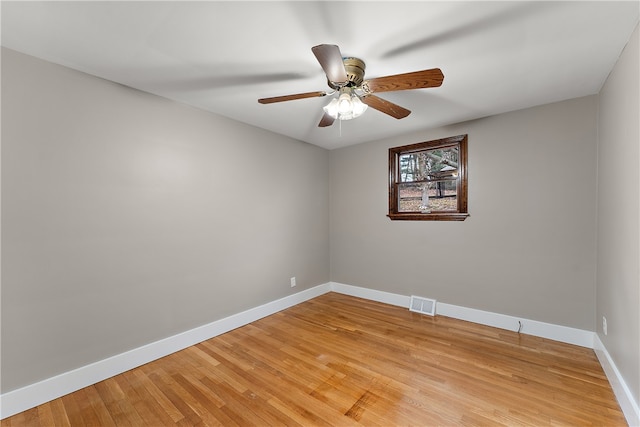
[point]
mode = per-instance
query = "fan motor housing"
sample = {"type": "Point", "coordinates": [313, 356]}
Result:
{"type": "Point", "coordinates": [355, 72]}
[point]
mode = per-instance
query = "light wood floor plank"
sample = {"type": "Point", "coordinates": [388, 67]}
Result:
{"type": "Point", "coordinates": [338, 360]}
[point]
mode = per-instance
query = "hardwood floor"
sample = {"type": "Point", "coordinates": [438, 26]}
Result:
{"type": "Point", "coordinates": [343, 361]}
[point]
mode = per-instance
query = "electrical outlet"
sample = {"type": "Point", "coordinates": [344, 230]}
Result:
{"type": "Point", "coordinates": [293, 282]}
{"type": "Point", "coordinates": [604, 325]}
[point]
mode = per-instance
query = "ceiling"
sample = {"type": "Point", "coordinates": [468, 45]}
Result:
{"type": "Point", "coordinates": [222, 56]}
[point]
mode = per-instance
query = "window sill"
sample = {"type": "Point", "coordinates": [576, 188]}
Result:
{"type": "Point", "coordinates": [453, 216]}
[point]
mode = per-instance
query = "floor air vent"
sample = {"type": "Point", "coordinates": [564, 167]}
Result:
{"type": "Point", "coordinates": [423, 305]}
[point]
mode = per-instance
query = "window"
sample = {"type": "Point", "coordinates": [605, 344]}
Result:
{"type": "Point", "coordinates": [428, 180]}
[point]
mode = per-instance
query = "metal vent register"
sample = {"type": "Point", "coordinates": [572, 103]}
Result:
{"type": "Point", "coordinates": [423, 305]}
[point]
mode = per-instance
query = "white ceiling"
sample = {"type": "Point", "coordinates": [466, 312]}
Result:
{"type": "Point", "coordinates": [222, 56]}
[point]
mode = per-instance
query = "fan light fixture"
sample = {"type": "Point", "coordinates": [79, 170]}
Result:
{"type": "Point", "coordinates": [347, 106]}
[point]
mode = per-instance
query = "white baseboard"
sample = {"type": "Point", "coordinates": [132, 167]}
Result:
{"type": "Point", "coordinates": [625, 398]}
{"type": "Point", "coordinates": [371, 294]}
{"type": "Point", "coordinates": [44, 391]}
{"type": "Point", "coordinates": [531, 327]}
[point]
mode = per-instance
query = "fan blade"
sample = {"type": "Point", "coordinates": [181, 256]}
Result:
{"type": "Point", "coordinates": [291, 97]}
{"type": "Point", "coordinates": [330, 59]}
{"type": "Point", "coordinates": [384, 106]}
{"type": "Point", "coordinates": [326, 120]}
{"type": "Point", "coordinates": [416, 80]}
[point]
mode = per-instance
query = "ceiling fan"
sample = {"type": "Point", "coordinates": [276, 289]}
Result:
{"type": "Point", "coordinates": [345, 76]}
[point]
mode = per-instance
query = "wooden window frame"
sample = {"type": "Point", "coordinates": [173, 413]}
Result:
{"type": "Point", "coordinates": [461, 183]}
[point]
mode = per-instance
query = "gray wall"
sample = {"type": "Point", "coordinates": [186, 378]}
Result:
{"type": "Point", "coordinates": [528, 248]}
{"type": "Point", "coordinates": [618, 278]}
{"type": "Point", "coordinates": [127, 218]}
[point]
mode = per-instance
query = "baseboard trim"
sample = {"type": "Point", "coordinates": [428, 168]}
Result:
{"type": "Point", "coordinates": [371, 294]}
{"type": "Point", "coordinates": [530, 327]}
{"type": "Point", "coordinates": [526, 326]}
{"type": "Point", "coordinates": [27, 397]}
{"type": "Point", "coordinates": [625, 398]}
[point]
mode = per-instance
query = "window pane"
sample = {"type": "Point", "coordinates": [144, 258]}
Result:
{"type": "Point", "coordinates": [428, 164]}
{"type": "Point", "coordinates": [428, 196]}
{"type": "Point", "coordinates": [443, 196]}
{"type": "Point", "coordinates": [409, 170]}
{"type": "Point", "coordinates": [409, 197]}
